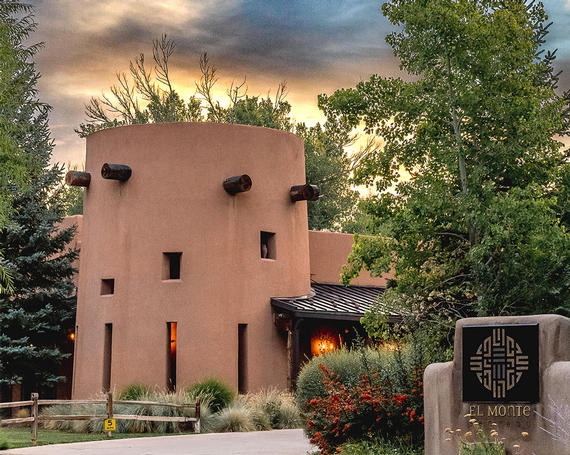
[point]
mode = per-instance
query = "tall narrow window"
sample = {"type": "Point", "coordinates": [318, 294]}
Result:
{"type": "Point", "coordinates": [107, 354]}
{"type": "Point", "coordinates": [242, 358]}
{"type": "Point", "coordinates": [268, 248]}
{"type": "Point", "coordinates": [171, 266]}
{"type": "Point", "coordinates": [107, 286]}
{"type": "Point", "coordinates": [171, 355]}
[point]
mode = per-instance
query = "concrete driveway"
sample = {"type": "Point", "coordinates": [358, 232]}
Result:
{"type": "Point", "coordinates": [276, 442]}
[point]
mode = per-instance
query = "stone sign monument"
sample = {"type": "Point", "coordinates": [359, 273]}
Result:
{"type": "Point", "coordinates": [510, 379]}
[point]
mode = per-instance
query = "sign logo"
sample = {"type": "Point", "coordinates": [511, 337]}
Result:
{"type": "Point", "coordinates": [500, 363]}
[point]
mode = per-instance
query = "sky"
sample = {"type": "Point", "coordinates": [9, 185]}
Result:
{"type": "Point", "coordinates": [316, 46]}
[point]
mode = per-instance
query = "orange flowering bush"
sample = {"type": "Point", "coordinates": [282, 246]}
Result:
{"type": "Point", "coordinates": [368, 409]}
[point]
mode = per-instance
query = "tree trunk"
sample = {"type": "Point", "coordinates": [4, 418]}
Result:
{"type": "Point", "coordinates": [460, 154]}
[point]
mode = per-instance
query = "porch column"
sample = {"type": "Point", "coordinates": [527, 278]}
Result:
{"type": "Point", "coordinates": [295, 336]}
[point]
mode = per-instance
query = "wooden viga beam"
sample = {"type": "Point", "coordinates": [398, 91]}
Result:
{"type": "Point", "coordinates": [78, 178]}
{"type": "Point", "coordinates": [238, 184]}
{"type": "Point", "coordinates": [120, 172]}
{"type": "Point", "coordinates": [304, 193]}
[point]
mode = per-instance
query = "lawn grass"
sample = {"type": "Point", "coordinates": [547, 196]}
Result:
{"type": "Point", "coordinates": [21, 437]}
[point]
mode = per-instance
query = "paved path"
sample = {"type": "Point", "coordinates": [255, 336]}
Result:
{"type": "Point", "coordinates": [276, 442]}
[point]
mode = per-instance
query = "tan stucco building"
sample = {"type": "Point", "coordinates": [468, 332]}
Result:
{"type": "Point", "coordinates": [181, 279]}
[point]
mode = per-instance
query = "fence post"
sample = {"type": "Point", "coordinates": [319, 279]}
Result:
{"type": "Point", "coordinates": [197, 423]}
{"type": "Point", "coordinates": [34, 414]}
{"type": "Point", "coordinates": [109, 410]}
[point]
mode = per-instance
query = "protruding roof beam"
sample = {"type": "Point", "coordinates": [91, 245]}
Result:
{"type": "Point", "coordinates": [237, 184]}
{"type": "Point", "coordinates": [78, 178]}
{"type": "Point", "coordinates": [304, 193]}
{"type": "Point", "coordinates": [120, 172]}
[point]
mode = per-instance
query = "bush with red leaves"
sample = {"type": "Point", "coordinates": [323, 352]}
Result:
{"type": "Point", "coordinates": [368, 410]}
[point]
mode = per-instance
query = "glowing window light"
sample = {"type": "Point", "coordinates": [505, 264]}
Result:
{"type": "Point", "coordinates": [323, 340]}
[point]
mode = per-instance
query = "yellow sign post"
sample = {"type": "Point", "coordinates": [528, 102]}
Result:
{"type": "Point", "coordinates": [110, 425]}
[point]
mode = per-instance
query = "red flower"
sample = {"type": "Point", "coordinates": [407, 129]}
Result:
{"type": "Point", "coordinates": [399, 399]}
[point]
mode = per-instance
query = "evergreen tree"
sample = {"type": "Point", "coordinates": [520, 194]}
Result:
{"type": "Point", "coordinates": [17, 79]}
{"type": "Point", "coordinates": [33, 320]}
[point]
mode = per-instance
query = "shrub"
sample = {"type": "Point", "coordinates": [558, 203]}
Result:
{"type": "Point", "coordinates": [361, 393]}
{"type": "Point", "coordinates": [347, 364]}
{"type": "Point", "coordinates": [273, 409]}
{"type": "Point", "coordinates": [362, 411]}
{"type": "Point", "coordinates": [133, 426]}
{"type": "Point", "coordinates": [378, 447]}
{"type": "Point", "coordinates": [234, 418]}
{"type": "Point", "coordinates": [220, 395]}
{"type": "Point", "coordinates": [477, 441]}
{"type": "Point", "coordinates": [134, 392]}
{"type": "Point", "coordinates": [3, 443]}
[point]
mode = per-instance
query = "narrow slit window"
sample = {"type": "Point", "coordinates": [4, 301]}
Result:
{"type": "Point", "coordinates": [268, 247]}
{"type": "Point", "coordinates": [107, 286]}
{"type": "Point", "coordinates": [107, 357]}
{"type": "Point", "coordinates": [171, 355]}
{"type": "Point", "coordinates": [171, 266]}
{"type": "Point", "coordinates": [242, 358]}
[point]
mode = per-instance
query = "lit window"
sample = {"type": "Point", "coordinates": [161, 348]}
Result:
{"type": "Point", "coordinates": [171, 328]}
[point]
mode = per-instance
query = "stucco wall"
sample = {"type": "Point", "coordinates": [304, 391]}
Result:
{"type": "Point", "coordinates": [175, 202]}
{"type": "Point", "coordinates": [443, 389]}
{"type": "Point", "coordinates": [328, 253]}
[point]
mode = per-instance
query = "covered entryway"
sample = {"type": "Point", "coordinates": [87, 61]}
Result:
{"type": "Point", "coordinates": [325, 320]}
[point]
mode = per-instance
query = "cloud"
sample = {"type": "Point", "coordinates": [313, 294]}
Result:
{"type": "Point", "coordinates": [317, 46]}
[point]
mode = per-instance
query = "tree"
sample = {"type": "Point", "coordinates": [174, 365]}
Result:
{"type": "Point", "coordinates": [19, 109]}
{"type": "Point", "coordinates": [328, 166]}
{"type": "Point", "coordinates": [327, 162]}
{"type": "Point", "coordinates": [34, 317]}
{"type": "Point", "coordinates": [34, 321]}
{"type": "Point", "coordinates": [478, 221]}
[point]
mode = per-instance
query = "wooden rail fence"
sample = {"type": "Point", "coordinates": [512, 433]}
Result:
{"type": "Point", "coordinates": [35, 417]}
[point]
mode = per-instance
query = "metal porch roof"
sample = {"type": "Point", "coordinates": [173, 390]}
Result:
{"type": "Point", "coordinates": [332, 301]}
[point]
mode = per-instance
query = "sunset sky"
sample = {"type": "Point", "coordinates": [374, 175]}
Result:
{"type": "Point", "coordinates": [316, 46]}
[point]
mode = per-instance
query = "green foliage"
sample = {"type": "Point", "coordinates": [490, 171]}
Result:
{"type": "Point", "coordinates": [379, 447]}
{"type": "Point", "coordinates": [234, 418]}
{"type": "Point", "coordinates": [272, 409]}
{"type": "Point", "coordinates": [476, 219]}
{"type": "Point", "coordinates": [74, 200]}
{"type": "Point", "coordinates": [34, 319]}
{"type": "Point", "coordinates": [134, 392]}
{"type": "Point", "coordinates": [481, 448]}
{"type": "Point", "coordinates": [477, 441]}
{"type": "Point", "coordinates": [23, 118]}
{"type": "Point", "coordinates": [344, 362]}
{"type": "Point", "coordinates": [3, 442]}
{"type": "Point", "coordinates": [364, 392]}
{"type": "Point", "coordinates": [220, 394]}
{"type": "Point", "coordinates": [328, 166]}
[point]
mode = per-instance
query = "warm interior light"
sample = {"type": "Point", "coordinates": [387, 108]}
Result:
{"type": "Point", "coordinates": [324, 339]}
{"type": "Point", "coordinates": [173, 339]}
{"type": "Point", "coordinates": [72, 336]}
